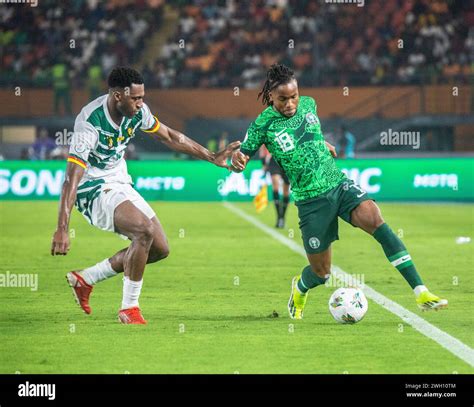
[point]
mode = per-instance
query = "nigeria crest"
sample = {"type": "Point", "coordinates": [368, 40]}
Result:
{"type": "Point", "coordinates": [311, 118]}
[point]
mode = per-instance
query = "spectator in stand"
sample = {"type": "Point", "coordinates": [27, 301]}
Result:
{"type": "Point", "coordinates": [61, 87]}
{"type": "Point", "coordinates": [212, 144]}
{"type": "Point", "coordinates": [42, 147]}
{"type": "Point", "coordinates": [350, 142]}
{"type": "Point", "coordinates": [223, 140]}
{"type": "Point", "coordinates": [94, 80]}
{"type": "Point", "coordinates": [345, 143]}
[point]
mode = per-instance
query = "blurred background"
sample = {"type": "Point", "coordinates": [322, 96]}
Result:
{"type": "Point", "coordinates": [374, 68]}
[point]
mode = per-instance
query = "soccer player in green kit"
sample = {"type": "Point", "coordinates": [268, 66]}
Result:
{"type": "Point", "coordinates": [290, 129]}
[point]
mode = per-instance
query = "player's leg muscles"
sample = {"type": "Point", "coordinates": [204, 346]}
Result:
{"type": "Point", "coordinates": [159, 249]}
{"type": "Point", "coordinates": [368, 217]}
{"type": "Point", "coordinates": [321, 262]}
{"type": "Point", "coordinates": [134, 224]}
{"type": "Point", "coordinates": [317, 272]}
{"type": "Point", "coordinates": [144, 234]}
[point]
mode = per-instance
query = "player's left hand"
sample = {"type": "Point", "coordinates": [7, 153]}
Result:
{"type": "Point", "coordinates": [332, 149]}
{"type": "Point", "coordinates": [220, 159]}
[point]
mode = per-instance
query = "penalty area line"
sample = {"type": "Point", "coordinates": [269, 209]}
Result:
{"type": "Point", "coordinates": [448, 342]}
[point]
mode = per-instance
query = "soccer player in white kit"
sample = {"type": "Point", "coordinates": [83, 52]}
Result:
{"type": "Point", "coordinates": [98, 184]}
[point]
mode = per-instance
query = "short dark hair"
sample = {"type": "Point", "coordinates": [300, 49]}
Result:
{"type": "Point", "coordinates": [277, 75]}
{"type": "Point", "coordinates": [122, 77]}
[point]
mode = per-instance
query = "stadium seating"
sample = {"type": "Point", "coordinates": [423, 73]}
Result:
{"type": "Point", "coordinates": [230, 43]}
{"type": "Point", "coordinates": [78, 33]}
{"type": "Point", "coordinates": [327, 44]}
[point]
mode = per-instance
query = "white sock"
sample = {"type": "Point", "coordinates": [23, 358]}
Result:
{"type": "Point", "coordinates": [419, 289]}
{"type": "Point", "coordinates": [101, 271]}
{"type": "Point", "coordinates": [131, 292]}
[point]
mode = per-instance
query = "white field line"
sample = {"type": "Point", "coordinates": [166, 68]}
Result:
{"type": "Point", "coordinates": [451, 344]}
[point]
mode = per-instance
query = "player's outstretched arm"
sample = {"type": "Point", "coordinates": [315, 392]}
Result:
{"type": "Point", "coordinates": [239, 161]}
{"type": "Point", "coordinates": [177, 141]}
{"type": "Point", "coordinates": [60, 244]}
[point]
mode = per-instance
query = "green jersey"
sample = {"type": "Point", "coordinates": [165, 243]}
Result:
{"type": "Point", "coordinates": [298, 146]}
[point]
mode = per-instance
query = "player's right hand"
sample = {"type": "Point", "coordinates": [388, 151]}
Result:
{"type": "Point", "coordinates": [239, 160]}
{"type": "Point", "coordinates": [60, 242]}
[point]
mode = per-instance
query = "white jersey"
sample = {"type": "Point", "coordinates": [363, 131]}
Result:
{"type": "Point", "coordinates": [98, 143]}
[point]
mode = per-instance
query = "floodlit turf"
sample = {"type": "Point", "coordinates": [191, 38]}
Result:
{"type": "Point", "coordinates": [209, 304]}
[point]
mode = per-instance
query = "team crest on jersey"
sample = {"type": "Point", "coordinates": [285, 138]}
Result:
{"type": "Point", "coordinates": [129, 131]}
{"type": "Point", "coordinates": [314, 242]}
{"type": "Point", "coordinates": [110, 141]}
{"type": "Point", "coordinates": [311, 118]}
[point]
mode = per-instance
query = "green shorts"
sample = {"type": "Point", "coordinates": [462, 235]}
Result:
{"type": "Point", "coordinates": [318, 216]}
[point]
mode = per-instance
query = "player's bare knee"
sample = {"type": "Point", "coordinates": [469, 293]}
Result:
{"type": "Point", "coordinates": [145, 231]}
{"type": "Point", "coordinates": [164, 252]}
{"type": "Point", "coordinates": [376, 221]}
{"type": "Point", "coordinates": [379, 222]}
{"type": "Point", "coordinates": [158, 253]}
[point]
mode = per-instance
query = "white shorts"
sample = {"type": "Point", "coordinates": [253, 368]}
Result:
{"type": "Point", "coordinates": [97, 203]}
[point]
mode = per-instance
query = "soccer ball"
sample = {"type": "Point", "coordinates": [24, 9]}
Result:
{"type": "Point", "coordinates": [348, 305]}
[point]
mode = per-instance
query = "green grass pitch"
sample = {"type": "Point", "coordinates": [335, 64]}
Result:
{"type": "Point", "coordinates": [208, 305]}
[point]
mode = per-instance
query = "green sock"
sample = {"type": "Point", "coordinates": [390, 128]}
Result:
{"type": "Point", "coordinates": [397, 254]}
{"type": "Point", "coordinates": [309, 280]}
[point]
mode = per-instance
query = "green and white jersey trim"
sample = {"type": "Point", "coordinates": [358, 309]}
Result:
{"type": "Point", "coordinates": [100, 143]}
{"type": "Point", "coordinates": [87, 193]}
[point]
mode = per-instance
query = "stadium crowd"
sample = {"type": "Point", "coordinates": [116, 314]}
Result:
{"type": "Point", "coordinates": [220, 43]}
{"type": "Point", "coordinates": [72, 42]}
{"type": "Point", "coordinates": [231, 43]}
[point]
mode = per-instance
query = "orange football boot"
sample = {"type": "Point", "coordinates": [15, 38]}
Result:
{"type": "Point", "coordinates": [80, 289]}
{"type": "Point", "coordinates": [131, 316]}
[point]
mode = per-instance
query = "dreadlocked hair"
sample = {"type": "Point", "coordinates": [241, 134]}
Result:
{"type": "Point", "coordinates": [277, 75]}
